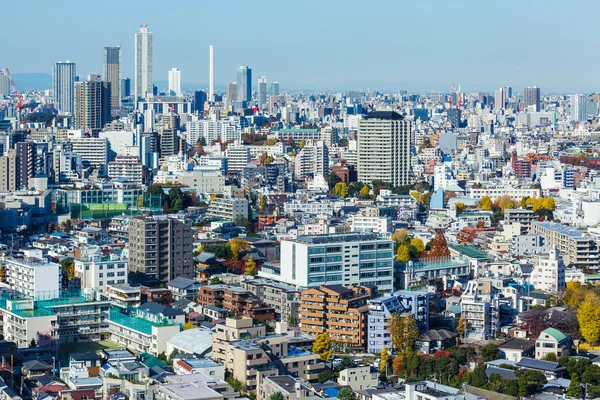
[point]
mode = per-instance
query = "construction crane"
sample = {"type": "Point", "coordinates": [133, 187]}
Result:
{"type": "Point", "coordinates": [15, 93]}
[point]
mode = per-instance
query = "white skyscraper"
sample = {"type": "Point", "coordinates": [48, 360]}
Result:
{"type": "Point", "coordinates": [144, 62]}
{"type": "Point", "coordinates": [63, 85]}
{"type": "Point", "coordinates": [4, 83]}
{"type": "Point", "coordinates": [578, 107]}
{"type": "Point", "coordinates": [175, 82]}
{"type": "Point", "coordinates": [262, 91]}
{"type": "Point", "coordinates": [211, 88]}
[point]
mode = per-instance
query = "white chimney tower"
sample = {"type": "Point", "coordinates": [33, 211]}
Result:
{"type": "Point", "coordinates": [211, 90]}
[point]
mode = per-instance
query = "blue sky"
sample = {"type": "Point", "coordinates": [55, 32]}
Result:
{"type": "Point", "coordinates": [325, 44]}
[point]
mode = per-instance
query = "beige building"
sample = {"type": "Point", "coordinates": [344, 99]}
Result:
{"type": "Point", "coordinates": [291, 388]}
{"type": "Point", "coordinates": [8, 172]}
{"type": "Point", "coordinates": [358, 378]}
{"type": "Point", "coordinates": [384, 139]}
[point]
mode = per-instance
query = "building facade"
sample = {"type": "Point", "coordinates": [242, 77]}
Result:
{"type": "Point", "coordinates": [63, 86]}
{"type": "Point", "coordinates": [144, 63]}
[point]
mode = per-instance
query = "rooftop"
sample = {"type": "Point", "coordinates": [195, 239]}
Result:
{"type": "Point", "coordinates": [391, 115]}
{"type": "Point", "coordinates": [561, 229]}
{"type": "Point", "coordinates": [337, 237]}
{"type": "Point", "coordinates": [554, 333]}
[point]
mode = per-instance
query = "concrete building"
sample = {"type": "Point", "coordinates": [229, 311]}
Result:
{"type": "Point", "coordinates": [174, 82]}
{"type": "Point", "coordinates": [312, 160]}
{"type": "Point", "coordinates": [203, 182]}
{"type": "Point", "coordinates": [8, 172]}
{"type": "Point", "coordinates": [215, 129]}
{"type": "Point", "coordinates": [32, 275]}
{"type": "Point", "coordinates": [285, 299]}
{"type": "Point", "coordinates": [359, 378]}
{"type": "Point", "coordinates": [341, 258]}
{"type": "Point", "coordinates": [63, 87]}
{"type": "Point", "coordinates": [144, 63]}
{"type": "Point", "coordinates": [531, 97]}
{"type": "Point", "coordinates": [244, 85]}
{"type": "Point", "coordinates": [548, 272]}
{"type": "Point", "coordinates": [160, 249]}
{"type": "Point", "coordinates": [527, 245]}
{"type": "Point", "coordinates": [576, 248]}
{"type": "Point", "coordinates": [262, 91]}
{"type": "Point", "coordinates": [523, 217]}
{"type": "Point", "coordinates": [340, 311]}
{"type": "Point", "coordinates": [482, 311]}
{"type": "Point", "coordinates": [228, 208]}
{"type": "Point", "coordinates": [384, 145]}
{"type": "Point", "coordinates": [290, 387]}
{"type": "Point", "coordinates": [92, 104]}
{"type": "Point", "coordinates": [553, 341]}
{"type": "Point", "coordinates": [99, 272]}
{"type": "Point", "coordinates": [93, 152]}
{"type": "Point", "coordinates": [495, 192]}
{"type": "Point", "coordinates": [238, 156]}
{"type": "Point", "coordinates": [126, 167]}
{"type": "Point", "coordinates": [112, 74]}
{"type": "Point", "coordinates": [365, 223]}
{"type": "Point", "coordinates": [381, 309]}
{"type": "Point", "coordinates": [237, 301]}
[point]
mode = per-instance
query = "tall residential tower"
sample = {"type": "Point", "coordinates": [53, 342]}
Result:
{"type": "Point", "coordinates": [63, 85]}
{"type": "Point", "coordinates": [531, 97]}
{"type": "Point", "coordinates": [174, 82]}
{"type": "Point", "coordinates": [262, 91]}
{"type": "Point", "coordinates": [112, 73]}
{"type": "Point", "coordinates": [244, 85]}
{"type": "Point", "coordinates": [144, 62]}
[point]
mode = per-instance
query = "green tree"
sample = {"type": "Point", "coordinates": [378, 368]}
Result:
{"type": "Point", "coordinates": [346, 393]}
{"type": "Point", "coordinates": [587, 316]}
{"type": "Point", "coordinates": [575, 387]}
{"type": "Point", "coordinates": [550, 357]}
{"type": "Point", "coordinates": [333, 180]}
{"type": "Point", "coordinates": [490, 352]}
{"type": "Point", "coordinates": [523, 202]}
{"type": "Point", "coordinates": [234, 383]}
{"type": "Point", "coordinates": [325, 376]}
{"type": "Point", "coordinates": [276, 396]}
{"type": "Point", "coordinates": [404, 332]}
{"type": "Point", "coordinates": [215, 280]}
{"type": "Point", "coordinates": [531, 381]}
{"type": "Point", "coordinates": [403, 253]}
{"type": "Point", "coordinates": [162, 357]}
{"type": "Point", "coordinates": [322, 347]}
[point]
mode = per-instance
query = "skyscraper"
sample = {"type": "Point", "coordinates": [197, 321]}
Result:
{"type": "Point", "coordinates": [112, 73]}
{"type": "Point", "coordinates": [175, 82]}
{"type": "Point", "coordinates": [4, 83]}
{"type": "Point", "coordinates": [125, 87]}
{"type": "Point", "coordinates": [244, 85]}
{"type": "Point", "coordinates": [231, 93]}
{"type": "Point", "coordinates": [274, 89]}
{"type": "Point", "coordinates": [63, 85]}
{"type": "Point", "coordinates": [499, 99]}
{"type": "Point", "coordinates": [199, 100]}
{"type": "Point", "coordinates": [144, 62]}
{"type": "Point", "coordinates": [211, 78]}
{"type": "Point", "coordinates": [262, 91]}
{"type": "Point", "coordinates": [454, 117]}
{"type": "Point", "coordinates": [384, 140]}
{"type": "Point", "coordinates": [93, 103]}
{"type": "Point", "coordinates": [578, 107]}
{"type": "Point", "coordinates": [531, 97]}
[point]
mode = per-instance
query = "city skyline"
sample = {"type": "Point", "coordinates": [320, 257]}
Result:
{"type": "Point", "coordinates": [342, 52]}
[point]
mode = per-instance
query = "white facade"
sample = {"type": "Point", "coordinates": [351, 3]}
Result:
{"type": "Point", "coordinates": [358, 378]}
{"type": "Point", "coordinates": [153, 341]}
{"type": "Point", "coordinates": [549, 272]}
{"type": "Point", "coordinates": [211, 77]}
{"type": "Point", "coordinates": [228, 209]}
{"type": "Point", "coordinates": [174, 82]}
{"type": "Point", "coordinates": [211, 130]}
{"type": "Point", "coordinates": [93, 152]}
{"type": "Point", "coordinates": [144, 63]}
{"type": "Point", "coordinates": [367, 223]}
{"type": "Point", "coordinates": [343, 259]}
{"type": "Point", "coordinates": [99, 272]}
{"type": "Point", "coordinates": [203, 181]}
{"type": "Point", "coordinates": [313, 160]}
{"type": "Point", "coordinates": [238, 156]}
{"type": "Point", "coordinates": [33, 276]}
{"type": "Point", "coordinates": [495, 192]}
{"type": "Point", "coordinates": [128, 167]}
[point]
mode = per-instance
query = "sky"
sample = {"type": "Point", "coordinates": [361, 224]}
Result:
{"type": "Point", "coordinates": [382, 45]}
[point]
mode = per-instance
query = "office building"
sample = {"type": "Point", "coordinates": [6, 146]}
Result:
{"type": "Point", "coordinates": [499, 100]}
{"type": "Point", "coordinates": [174, 82]}
{"type": "Point", "coordinates": [454, 117]}
{"type": "Point", "coordinates": [531, 97]}
{"type": "Point", "coordinates": [274, 89]}
{"type": "Point", "coordinates": [384, 141]}
{"type": "Point", "coordinates": [578, 107]}
{"type": "Point", "coordinates": [340, 258]}
{"type": "Point", "coordinates": [381, 309]}
{"type": "Point", "coordinates": [25, 163]}
{"type": "Point", "coordinates": [199, 101]}
{"type": "Point", "coordinates": [112, 75]}
{"type": "Point", "coordinates": [63, 87]}
{"type": "Point", "coordinates": [125, 88]}
{"type": "Point", "coordinates": [93, 104]}
{"type": "Point", "coordinates": [4, 83]}
{"type": "Point", "coordinates": [231, 93]}
{"type": "Point", "coordinates": [144, 63]}
{"type": "Point", "coordinates": [169, 143]}
{"type": "Point", "coordinates": [262, 91]}
{"type": "Point", "coordinates": [338, 310]}
{"type": "Point", "coordinates": [211, 77]}
{"type": "Point", "coordinates": [244, 85]}
{"type": "Point", "coordinates": [160, 249]}
{"type": "Point", "coordinates": [32, 275]}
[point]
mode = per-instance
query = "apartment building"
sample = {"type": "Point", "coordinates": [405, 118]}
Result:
{"type": "Point", "coordinates": [298, 135]}
{"type": "Point", "coordinates": [523, 217]}
{"type": "Point", "coordinates": [93, 152]}
{"type": "Point", "coordinates": [312, 160]}
{"type": "Point", "coordinates": [160, 249]}
{"type": "Point", "coordinates": [269, 355]}
{"type": "Point", "coordinates": [228, 208]}
{"type": "Point", "coordinates": [382, 308]}
{"type": "Point", "coordinates": [208, 182]}
{"type": "Point", "coordinates": [482, 312]}
{"type": "Point", "coordinates": [124, 295]}
{"type": "Point", "coordinates": [238, 301]}
{"type": "Point", "coordinates": [241, 328]}
{"type": "Point", "coordinates": [194, 387]}
{"type": "Point", "coordinates": [495, 192]}
{"type": "Point", "coordinates": [32, 275]}
{"type": "Point", "coordinates": [384, 143]}
{"type": "Point", "coordinates": [359, 378]}
{"type": "Point", "coordinates": [549, 272]}
{"type": "Point", "coordinates": [126, 167]}
{"type": "Point", "coordinates": [527, 245]}
{"type": "Point", "coordinates": [576, 248]}
{"type": "Point", "coordinates": [238, 156]}
{"type": "Point", "coordinates": [146, 328]}
{"type": "Point", "coordinates": [66, 317]}
{"type": "Point", "coordinates": [98, 272]}
{"type": "Point", "coordinates": [291, 388]}
{"type": "Point", "coordinates": [375, 224]}
{"type": "Point", "coordinates": [340, 311]}
{"type": "Point", "coordinates": [338, 259]}
{"type": "Point", "coordinates": [285, 299]}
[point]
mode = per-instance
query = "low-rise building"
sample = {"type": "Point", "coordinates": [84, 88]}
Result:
{"type": "Point", "coordinates": [359, 378]}
{"type": "Point", "coordinates": [228, 208]}
{"type": "Point", "coordinates": [515, 349]}
{"type": "Point", "coordinates": [292, 388]}
{"type": "Point", "coordinates": [97, 272]}
{"type": "Point", "coordinates": [576, 248]}
{"type": "Point", "coordinates": [285, 299]}
{"type": "Point", "coordinates": [553, 341]}
{"type": "Point", "coordinates": [33, 276]}
{"type": "Point", "coordinates": [549, 272]}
